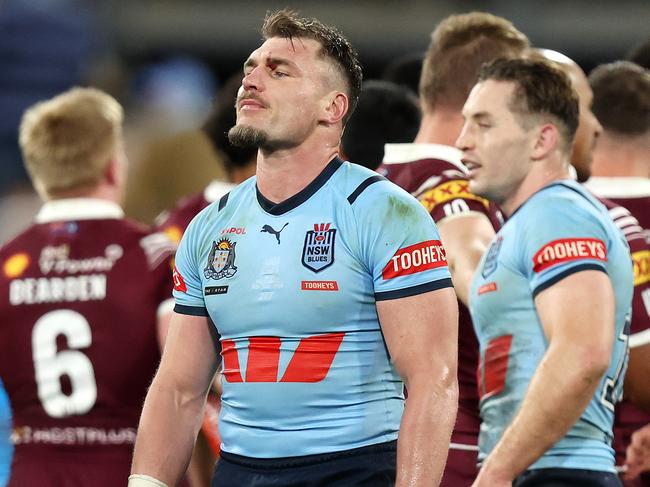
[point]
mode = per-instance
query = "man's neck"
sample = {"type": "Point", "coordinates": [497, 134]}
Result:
{"type": "Point", "coordinates": [541, 174]}
{"type": "Point", "coordinates": [102, 192]}
{"type": "Point", "coordinates": [283, 173]}
{"type": "Point", "coordinates": [616, 157]}
{"type": "Point", "coordinates": [441, 126]}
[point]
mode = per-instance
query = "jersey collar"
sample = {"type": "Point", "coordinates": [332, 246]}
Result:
{"type": "Point", "coordinates": [299, 198]}
{"type": "Point", "coordinates": [78, 209]}
{"type": "Point", "coordinates": [403, 153]}
{"type": "Point", "coordinates": [619, 187]}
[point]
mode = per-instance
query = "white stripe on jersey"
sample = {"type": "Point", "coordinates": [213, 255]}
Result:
{"type": "Point", "coordinates": [640, 339]}
{"type": "Point", "coordinates": [157, 247]}
{"type": "Point", "coordinates": [460, 446]}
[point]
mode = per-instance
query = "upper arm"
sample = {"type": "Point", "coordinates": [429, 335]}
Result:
{"type": "Point", "coordinates": [421, 334]}
{"type": "Point", "coordinates": [190, 358]}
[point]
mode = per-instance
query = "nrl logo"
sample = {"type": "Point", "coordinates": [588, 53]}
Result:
{"type": "Point", "coordinates": [318, 251]}
{"type": "Point", "coordinates": [221, 261]}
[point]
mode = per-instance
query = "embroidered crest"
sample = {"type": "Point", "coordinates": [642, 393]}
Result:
{"type": "Point", "coordinates": [491, 259]}
{"type": "Point", "coordinates": [221, 261]}
{"type": "Point", "coordinates": [318, 251]}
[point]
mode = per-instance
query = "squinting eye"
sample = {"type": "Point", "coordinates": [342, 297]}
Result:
{"type": "Point", "coordinates": [279, 74]}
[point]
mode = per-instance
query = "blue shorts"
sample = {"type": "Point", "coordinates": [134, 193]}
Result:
{"type": "Point", "coordinates": [371, 466]}
{"type": "Point", "coordinates": [566, 477]}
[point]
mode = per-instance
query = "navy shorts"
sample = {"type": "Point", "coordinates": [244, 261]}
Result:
{"type": "Point", "coordinates": [371, 466]}
{"type": "Point", "coordinates": [566, 477]}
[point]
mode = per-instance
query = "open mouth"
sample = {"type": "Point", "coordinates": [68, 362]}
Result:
{"type": "Point", "coordinates": [470, 164]}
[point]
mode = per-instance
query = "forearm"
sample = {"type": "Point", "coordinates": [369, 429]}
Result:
{"type": "Point", "coordinates": [168, 428]}
{"type": "Point", "coordinates": [559, 392]}
{"type": "Point", "coordinates": [424, 434]}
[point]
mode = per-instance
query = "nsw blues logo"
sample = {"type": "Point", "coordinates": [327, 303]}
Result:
{"type": "Point", "coordinates": [221, 261]}
{"type": "Point", "coordinates": [491, 259]}
{"type": "Point", "coordinates": [318, 251]}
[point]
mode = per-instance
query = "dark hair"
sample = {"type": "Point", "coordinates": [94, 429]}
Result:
{"type": "Point", "coordinates": [386, 113]}
{"type": "Point", "coordinates": [287, 24]}
{"type": "Point", "coordinates": [405, 71]}
{"type": "Point", "coordinates": [221, 119]}
{"type": "Point", "coordinates": [460, 44]}
{"type": "Point", "coordinates": [641, 54]}
{"type": "Point", "coordinates": [542, 90]}
{"type": "Point", "coordinates": [622, 97]}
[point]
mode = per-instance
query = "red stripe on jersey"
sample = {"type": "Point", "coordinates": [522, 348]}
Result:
{"type": "Point", "coordinates": [567, 250]}
{"type": "Point", "coordinates": [416, 258]}
{"type": "Point", "coordinates": [495, 366]}
{"type": "Point", "coordinates": [263, 358]}
{"type": "Point", "coordinates": [313, 358]}
{"type": "Point", "coordinates": [231, 370]}
{"type": "Point", "coordinates": [179, 282]}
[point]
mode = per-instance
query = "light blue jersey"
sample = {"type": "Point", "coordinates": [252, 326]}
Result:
{"type": "Point", "coordinates": [560, 230]}
{"type": "Point", "coordinates": [292, 290]}
{"type": "Point", "coordinates": [6, 447]}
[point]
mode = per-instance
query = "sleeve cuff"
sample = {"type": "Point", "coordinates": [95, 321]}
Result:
{"type": "Point", "coordinates": [414, 290]}
{"type": "Point", "coordinates": [190, 310]}
{"type": "Point", "coordinates": [557, 278]}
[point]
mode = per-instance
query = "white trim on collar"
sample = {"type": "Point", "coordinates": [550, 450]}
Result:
{"type": "Point", "coordinates": [621, 187]}
{"type": "Point", "coordinates": [78, 209]}
{"type": "Point", "coordinates": [216, 189]}
{"type": "Point", "coordinates": [403, 153]}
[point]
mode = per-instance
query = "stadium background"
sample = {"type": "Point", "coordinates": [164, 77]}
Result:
{"type": "Point", "coordinates": [165, 60]}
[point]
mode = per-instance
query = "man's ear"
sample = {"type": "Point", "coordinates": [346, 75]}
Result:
{"type": "Point", "coordinates": [546, 142]}
{"type": "Point", "coordinates": [336, 106]}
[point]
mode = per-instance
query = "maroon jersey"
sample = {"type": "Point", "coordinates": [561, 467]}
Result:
{"type": "Point", "coordinates": [629, 205]}
{"type": "Point", "coordinates": [79, 295]}
{"type": "Point", "coordinates": [173, 223]}
{"type": "Point", "coordinates": [436, 177]}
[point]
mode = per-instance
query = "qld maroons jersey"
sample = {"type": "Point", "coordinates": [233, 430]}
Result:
{"type": "Point", "coordinates": [292, 289]}
{"type": "Point", "coordinates": [80, 291]}
{"type": "Point", "coordinates": [559, 231]}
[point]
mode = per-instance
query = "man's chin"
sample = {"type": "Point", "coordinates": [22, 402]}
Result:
{"type": "Point", "coordinates": [246, 136]}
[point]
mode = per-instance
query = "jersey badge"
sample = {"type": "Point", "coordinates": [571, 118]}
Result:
{"type": "Point", "coordinates": [492, 258]}
{"type": "Point", "coordinates": [221, 261]}
{"type": "Point", "coordinates": [15, 265]}
{"type": "Point", "coordinates": [318, 251]}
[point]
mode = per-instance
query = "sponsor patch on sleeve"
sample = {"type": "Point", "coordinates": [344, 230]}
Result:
{"type": "Point", "coordinates": [567, 250]}
{"type": "Point", "coordinates": [179, 282]}
{"type": "Point", "coordinates": [415, 258]}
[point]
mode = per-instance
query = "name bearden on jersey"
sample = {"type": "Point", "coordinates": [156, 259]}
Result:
{"type": "Point", "coordinates": [416, 258]}
{"type": "Point", "coordinates": [569, 249]}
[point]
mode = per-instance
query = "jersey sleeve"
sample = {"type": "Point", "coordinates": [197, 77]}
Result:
{"type": "Point", "coordinates": [159, 253]}
{"type": "Point", "coordinates": [400, 244]}
{"type": "Point", "coordinates": [451, 198]}
{"type": "Point", "coordinates": [560, 240]}
{"type": "Point", "coordinates": [186, 275]}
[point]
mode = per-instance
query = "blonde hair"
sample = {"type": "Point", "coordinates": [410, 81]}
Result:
{"type": "Point", "coordinates": [460, 44]}
{"type": "Point", "coordinates": [68, 141]}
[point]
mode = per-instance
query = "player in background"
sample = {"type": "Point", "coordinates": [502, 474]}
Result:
{"type": "Point", "coordinates": [551, 299]}
{"type": "Point", "coordinates": [6, 447]}
{"type": "Point", "coordinates": [620, 173]}
{"type": "Point", "coordinates": [638, 453]}
{"type": "Point", "coordinates": [83, 293]}
{"type": "Point", "coordinates": [309, 293]}
{"type": "Point", "coordinates": [239, 163]}
{"type": "Point", "coordinates": [386, 113]}
{"type": "Point", "coordinates": [431, 170]}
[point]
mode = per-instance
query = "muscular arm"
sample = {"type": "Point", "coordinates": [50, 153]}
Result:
{"type": "Point", "coordinates": [577, 315]}
{"type": "Point", "coordinates": [466, 237]}
{"type": "Point", "coordinates": [421, 335]}
{"type": "Point", "coordinates": [173, 409]}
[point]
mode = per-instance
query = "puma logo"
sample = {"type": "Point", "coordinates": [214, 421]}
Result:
{"type": "Point", "coordinates": [270, 229]}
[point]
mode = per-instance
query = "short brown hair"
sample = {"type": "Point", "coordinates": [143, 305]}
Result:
{"type": "Point", "coordinates": [622, 97]}
{"type": "Point", "coordinates": [542, 90]}
{"type": "Point", "coordinates": [287, 24]}
{"type": "Point", "coordinates": [68, 141]}
{"type": "Point", "coordinates": [460, 44]}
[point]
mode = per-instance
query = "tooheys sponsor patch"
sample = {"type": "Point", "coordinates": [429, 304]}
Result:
{"type": "Point", "coordinates": [416, 258]}
{"type": "Point", "coordinates": [567, 250]}
{"type": "Point", "coordinates": [179, 282]}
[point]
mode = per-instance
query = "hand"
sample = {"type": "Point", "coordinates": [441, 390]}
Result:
{"type": "Point", "coordinates": [638, 453]}
{"type": "Point", "coordinates": [489, 478]}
